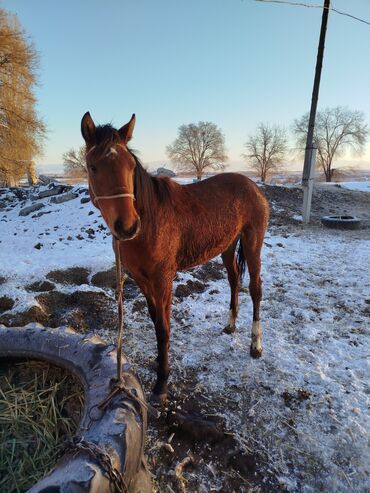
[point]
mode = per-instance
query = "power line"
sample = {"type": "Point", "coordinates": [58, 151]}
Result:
{"type": "Point", "coordinates": [351, 16]}
{"type": "Point", "coordinates": [299, 4]}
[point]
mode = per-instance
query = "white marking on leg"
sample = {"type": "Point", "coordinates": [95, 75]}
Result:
{"type": "Point", "coordinates": [231, 319]}
{"type": "Point", "coordinates": [230, 327]}
{"type": "Point", "coordinates": [257, 336]}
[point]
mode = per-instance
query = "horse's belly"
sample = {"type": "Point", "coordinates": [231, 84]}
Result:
{"type": "Point", "coordinates": [201, 250]}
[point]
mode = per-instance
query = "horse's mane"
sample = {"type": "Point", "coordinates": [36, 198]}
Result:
{"type": "Point", "coordinates": [148, 189]}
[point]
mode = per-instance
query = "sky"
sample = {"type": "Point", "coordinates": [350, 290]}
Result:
{"type": "Point", "coordinates": [172, 62]}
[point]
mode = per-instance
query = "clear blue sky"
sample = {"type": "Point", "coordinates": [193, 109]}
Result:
{"type": "Point", "coordinates": [232, 62]}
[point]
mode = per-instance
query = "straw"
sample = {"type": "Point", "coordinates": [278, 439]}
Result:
{"type": "Point", "coordinates": [40, 405]}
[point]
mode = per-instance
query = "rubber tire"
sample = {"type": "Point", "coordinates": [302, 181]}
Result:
{"type": "Point", "coordinates": [341, 222]}
{"type": "Point", "coordinates": [121, 427]}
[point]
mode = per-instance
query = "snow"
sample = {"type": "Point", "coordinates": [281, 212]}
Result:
{"type": "Point", "coordinates": [297, 217]}
{"type": "Point", "coordinates": [361, 186]}
{"type": "Point", "coordinates": [304, 405]}
{"type": "Point", "coordinates": [19, 235]}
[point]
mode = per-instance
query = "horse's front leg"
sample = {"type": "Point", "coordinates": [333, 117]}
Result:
{"type": "Point", "coordinates": [163, 300]}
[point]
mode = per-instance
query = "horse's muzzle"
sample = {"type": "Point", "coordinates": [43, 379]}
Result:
{"type": "Point", "coordinates": [122, 234]}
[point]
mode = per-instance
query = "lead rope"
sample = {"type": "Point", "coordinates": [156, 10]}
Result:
{"type": "Point", "coordinates": [119, 385]}
{"type": "Point", "coordinates": [120, 283]}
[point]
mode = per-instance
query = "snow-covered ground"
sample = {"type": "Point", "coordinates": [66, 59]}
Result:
{"type": "Point", "coordinates": [303, 407]}
{"type": "Point", "coordinates": [61, 231]}
{"type": "Point", "coordinates": [361, 186]}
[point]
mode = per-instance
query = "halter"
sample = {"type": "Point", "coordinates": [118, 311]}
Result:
{"type": "Point", "coordinates": [107, 197]}
{"type": "Point", "coordinates": [96, 198]}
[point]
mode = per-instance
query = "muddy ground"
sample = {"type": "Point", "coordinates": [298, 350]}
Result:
{"type": "Point", "coordinates": [190, 448]}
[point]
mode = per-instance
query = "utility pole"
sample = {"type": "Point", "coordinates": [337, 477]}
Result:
{"type": "Point", "coordinates": [310, 152]}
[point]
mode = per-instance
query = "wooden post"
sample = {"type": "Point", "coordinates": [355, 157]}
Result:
{"type": "Point", "coordinates": [308, 188]}
{"type": "Point", "coordinates": [308, 161]}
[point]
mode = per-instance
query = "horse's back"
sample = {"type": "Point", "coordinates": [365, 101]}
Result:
{"type": "Point", "coordinates": [231, 190]}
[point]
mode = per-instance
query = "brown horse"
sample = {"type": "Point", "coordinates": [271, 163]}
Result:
{"type": "Point", "coordinates": [164, 227]}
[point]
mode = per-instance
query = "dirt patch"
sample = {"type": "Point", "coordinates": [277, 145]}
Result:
{"type": "Point", "coordinates": [6, 303]}
{"type": "Point", "coordinates": [74, 275]}
{"type": "Point", "coordinates": [191, 287]}
{"type": "Point", "coordinates": [211, 271]}
{"type": "Point", "coordinates": [20, 319]}
{"type": "Point", "coordinates": [81, 310]}
{"type": "Point", "coordinates": [190, 438]}
{"type": "Point", "coordinates": [41, 286]}
{"type": "Point", "coordinates": [334, 200]}
{"type": "Point", "coordinates": [105, 279]}
{"type": "Point", "coordinates": [286, 202]}
{"type": "Point", "coordinates": [294, 398]}
{"type": "Point", "coordinates": [139, 306]}
{"type": "Point", "coordinates": [84, 311]}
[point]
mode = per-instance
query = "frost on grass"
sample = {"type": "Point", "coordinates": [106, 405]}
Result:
{"type": "Point", "coordinates": [302, 408]}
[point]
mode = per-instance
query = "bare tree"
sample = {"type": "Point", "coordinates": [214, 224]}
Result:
{"type": "Point", "coordinates": [21, 130]}
{"type": "Point", "coordinates": [74, 162]}
{"type": "Point", "coordinates": [266, 149]}
{"type": "Point", "coordinates": [198, 148]}
{"type": "Point", "coordinates": [336, 130]}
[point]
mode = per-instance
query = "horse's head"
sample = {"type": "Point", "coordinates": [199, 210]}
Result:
{"type": "Point", "coordinates": [111, 169]}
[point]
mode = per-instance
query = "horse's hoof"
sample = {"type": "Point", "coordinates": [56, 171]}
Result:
{"type": "Point", "coordinates": [158, 399]}
{"type": "Point", "coordinates": [229, 329]}
{"type": "Point", "coordinates": [255, 353]}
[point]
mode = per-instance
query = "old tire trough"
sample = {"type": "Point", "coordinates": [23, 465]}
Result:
{"type": "Point", "coordinates": [118, 431]}
{"type": "Point", "coordinates": [341, 222]}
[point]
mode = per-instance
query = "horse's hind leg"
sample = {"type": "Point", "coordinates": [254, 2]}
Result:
{"type": "Point", "coordinates": [252, 241]}
{"type": "Point", "coordinates": [229, 260]}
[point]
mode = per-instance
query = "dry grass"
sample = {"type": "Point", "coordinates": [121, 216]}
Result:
{"type": "Point", "coordinates": [40, 405]}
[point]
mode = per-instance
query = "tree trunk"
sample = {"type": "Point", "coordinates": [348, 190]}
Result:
{"type": "Point", "coordinates": [328, 172]}
{"type": "Point", "coordinates": [31, 174]}
{"type": "Point", "coordinates": [11, 181]}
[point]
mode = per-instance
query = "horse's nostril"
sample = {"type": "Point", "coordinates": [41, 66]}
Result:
{"type": "Point", "coordinates": [118, 227]}
{"type": "Point", "coordinates": [125, 233]}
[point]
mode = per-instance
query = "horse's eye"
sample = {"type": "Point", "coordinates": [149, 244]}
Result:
{"type": "Point", "coordinates": [92, 168]}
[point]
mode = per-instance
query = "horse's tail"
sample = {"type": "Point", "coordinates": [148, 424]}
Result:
{"type": "Point", "coordinates": [240, 260]}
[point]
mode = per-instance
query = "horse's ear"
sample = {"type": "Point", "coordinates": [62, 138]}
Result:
{"type": "Point", "coordinates": [88, 129]}
{"type": "Point", "coordinates": [127, 130]}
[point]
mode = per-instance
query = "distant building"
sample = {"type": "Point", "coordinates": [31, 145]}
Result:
{"type": "Point", "coordinates": [165, 172]}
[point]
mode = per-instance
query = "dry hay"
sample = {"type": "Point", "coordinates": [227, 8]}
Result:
{"type": "Point", "coordinates": [40, 405]}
